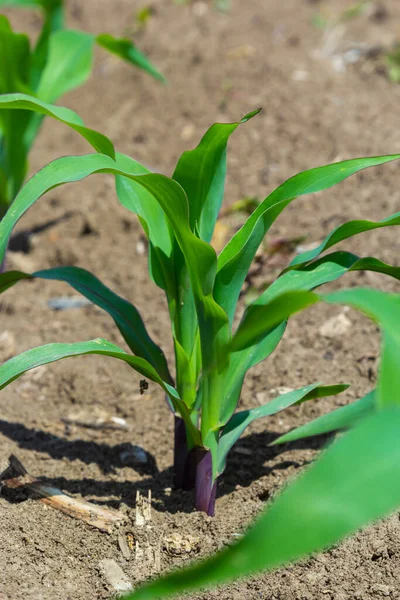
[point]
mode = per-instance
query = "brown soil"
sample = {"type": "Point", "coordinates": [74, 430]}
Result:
{"type": "Point", "coordinates": [219, 66]}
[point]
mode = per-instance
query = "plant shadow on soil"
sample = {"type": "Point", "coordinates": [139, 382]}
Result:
{"type": "Point", "coordinates": [245, 467]}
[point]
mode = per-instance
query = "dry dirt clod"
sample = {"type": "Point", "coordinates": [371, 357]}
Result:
{"type": "Point", "coordinates": [336, 326]}
{"type": "Point", "coordinates": [115, 576]}
{"type": "Point", "coordinates": [124, 546]}
{"type": "Point", "coordinates": [176, 544]}
{"type": "Point", "coordinates": [7, 345]}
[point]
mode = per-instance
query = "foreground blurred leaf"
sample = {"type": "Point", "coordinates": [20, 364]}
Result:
{"type": "Point", "coordinates": [126, 50]}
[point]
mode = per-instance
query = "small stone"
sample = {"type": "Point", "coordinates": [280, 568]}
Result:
{"type": "Point", "coordinates": [188, 132]}
{"type": "Point", "coordinates": [133, 456]}
{"type": "Point", "coordinates": [336, 326]}
{"type": "Point", "coordinates": [115, 576]}
{"type": "Point", "coordinates": [200, 9]}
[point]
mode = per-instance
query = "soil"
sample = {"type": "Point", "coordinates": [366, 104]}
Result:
{"type": "Point", "coordinates": [319, 106]}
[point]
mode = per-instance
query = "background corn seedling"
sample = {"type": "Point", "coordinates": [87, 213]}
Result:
{"type": "Point", "coordinates": [212, 357]}
{"type": "Point", "coordinates": [60, 61]}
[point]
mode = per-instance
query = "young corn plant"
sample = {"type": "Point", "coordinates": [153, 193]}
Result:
{"type": "Point", "coordinates": [212, 356]}
{"type": "Point", "coordinates": [60, 61]}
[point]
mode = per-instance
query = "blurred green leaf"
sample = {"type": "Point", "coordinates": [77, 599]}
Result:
{"type": "Point", "coordinates": [126, 50]}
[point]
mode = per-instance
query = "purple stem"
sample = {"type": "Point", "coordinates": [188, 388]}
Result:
{"type": "Point", "coordinates": [206, 489]}
{"type": "Point", "coordinates": [184, 459]}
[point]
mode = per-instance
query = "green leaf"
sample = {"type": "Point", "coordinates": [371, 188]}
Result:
{"type": "Point", "coordinates": [127, 51]}
{"type": "Point", "coordinates": [154, 220]}
{"type": "Point", "coordinates": [343, 232]}
{"type": "Point", "coordinates": [353, 483]}
{"type": "Point", "coordinates": [379, 306]}
{"type": "Point", "coordinates": [68, 65]}
{"type": "Point", "coordinates": [341, 418]}
{"type": "Point", "coordinates": [384, 309]}
{"type": "Point", "coordinates": [21, 3]}
{"type": "Point", "coordinates": [18, 365]}
{"type": "Point", "coordinates": [241, 420]}
{"type": "Point", "coordinates": [240, 363]}
{"type": "Point", "coordinates": [125, 315]}
{"type": "Point", "coordinates": [22, 101]}
{"type": "Point", "coordinates": [14, 77]}
{"type": "Point", "coordinates": [258, 320]}
{"type": "Point", "coordinates": [202, 171]}
{"type": "Point", "coordinates": [236, 258]}
{"type": "Point", "coordinates": [309, 276]}
{"type": "Point", "coordinates": [200, 257]}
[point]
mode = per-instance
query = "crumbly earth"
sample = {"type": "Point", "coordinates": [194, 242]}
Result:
{"type": "Point", "coordinates": [318, 106]}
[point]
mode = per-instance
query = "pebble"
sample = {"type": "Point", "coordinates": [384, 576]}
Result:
{"type": "Point", "coordinates": [133, 455]}
{"type": "Point", "coordinates": [336, 326]}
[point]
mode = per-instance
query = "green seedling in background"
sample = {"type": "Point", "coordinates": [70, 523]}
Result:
{"type": "Point", "coordinates": [60, 61]}
{"type": "Point", "coordinates": [392, 60]}
{"type": "Point", "coordinates": [212, 356]}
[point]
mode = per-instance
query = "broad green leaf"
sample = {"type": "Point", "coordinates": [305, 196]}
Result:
{"type": "Point", "coordinates": [68, 65]}
{"type": "Point", "coordinates": [18, 365]}
{"type": "Point", "coordinates": [125, 315]}
{"type": "Point", "coordinates": [258, 320]}
{"type": "Point", "coordinates": [202, 171]}
{"type": "Point", "coordinates": [53, 22]}
{"type": "Point", "coordinates": [341, 418]}
{"type": "Point", "coordinates": [328, 268]}
{"type": "Point", "coordinates": [14, 77]}
{"type": "Point", "coordinates": [22, 101]}
{"type": "Point", "coordinates": [126, 50]}
{"type": "Point", "coordinates": [353, 483]}
{"type": "Point", "coordinates": [343, 232]}
{"type": "Point", "coordinates": [22, 3]}
{"type": "Point", "coordinates": [379, 306]}
{"type": "Point", "coordinates": [241, 420]}
{"type": "Point", "coordinates": [236, 258]}
{"type": "Point", "coordinates": [199, 256]}
{"type": "Point", "coordinates": [154, 221]}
